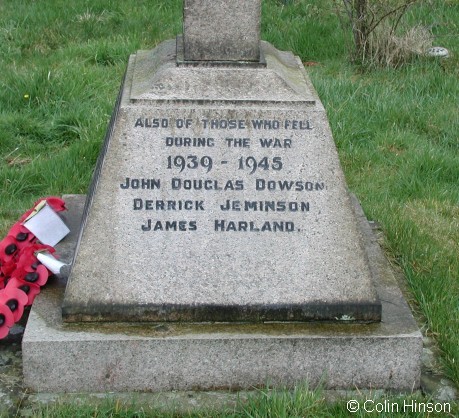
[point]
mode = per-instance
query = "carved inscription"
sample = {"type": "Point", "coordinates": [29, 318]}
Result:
{"type": "Point", "coordinates": [230, 175]}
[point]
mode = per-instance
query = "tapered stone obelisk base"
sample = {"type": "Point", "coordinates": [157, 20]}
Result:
{"type": "Point", "coordinates": [219, 195]}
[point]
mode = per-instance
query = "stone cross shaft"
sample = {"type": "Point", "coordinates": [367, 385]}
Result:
{"type": "Point", "coordinates": [221, 30]}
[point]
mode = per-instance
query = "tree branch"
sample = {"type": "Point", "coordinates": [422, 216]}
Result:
{"type": "Point", "coordinates": [390, 12]}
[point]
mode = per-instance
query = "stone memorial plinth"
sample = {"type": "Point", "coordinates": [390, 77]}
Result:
{"type": "Point", "coordinates": [219, 214]}
{"type": "Point", "coordinates": [219, 197]}
{"type": "Point", "coordinates": [107, 357]}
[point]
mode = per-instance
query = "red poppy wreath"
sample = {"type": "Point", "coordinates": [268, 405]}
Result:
{"type": "Point", "coordinates": [21, 273]}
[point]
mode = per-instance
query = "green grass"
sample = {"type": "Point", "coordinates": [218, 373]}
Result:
{"type": "Point", "coordinates": [397, 134]}
{"type": "Point", "coordinates": [62, 63]}
{"type": "Point", "coordinates": [266, 403]}
{"type": "Point", "coordinates": [396, 130]}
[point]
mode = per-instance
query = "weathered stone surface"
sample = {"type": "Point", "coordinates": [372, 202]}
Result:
{"type": "Point", "coordinates": [11, 394]}
{"type": "Point", "coordinates": [214, 203]}
{"type": "Point", "coordinates": [220, 30]}
{"type": "Point", "coordinates": [62, 357]}
{"type": "Point", "coordinates": [156, 77]}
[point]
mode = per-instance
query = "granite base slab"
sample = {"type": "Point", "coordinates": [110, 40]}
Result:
{"type": "Point", "coordinates": [108, 357]}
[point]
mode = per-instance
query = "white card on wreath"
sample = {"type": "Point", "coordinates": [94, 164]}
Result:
{"type": "Point", "coordinates": [46, 225]}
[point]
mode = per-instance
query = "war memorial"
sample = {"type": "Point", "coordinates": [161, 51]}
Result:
{"type": "Point", "coordinates": [219, 246]}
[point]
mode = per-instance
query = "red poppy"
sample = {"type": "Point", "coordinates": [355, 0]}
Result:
{"type": "Point", "coordinates": [38, 277]}
{"type": "Point", "coordinates": [30, 289]}
{"type": "Point", "coordinates": [42, 247]}
{"type": "Point", "coordinates": [21, 274]}
{"type": "Point", "coordinates": [27, 260]}
{"type": "Point", "coordinates": [7, 268]}
{"type": "Point", "coordinates": [15, 300]}
{"type": "Point", "coordinates": [21, 234]}
{"type": "Point", "coordinates": [6, 320]}
{"type": "Point", "coordinates": [56, 203]}
{"type": "Point", "coordinates": [8, 249]}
